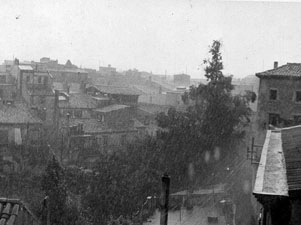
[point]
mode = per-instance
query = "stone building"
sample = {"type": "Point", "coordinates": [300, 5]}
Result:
{"type": "Point", "coordinates": [90, 124]}
{"type": "Point", "coordinates": [35, 87]}
{"type": "Point", "coordinates": [279, 97]}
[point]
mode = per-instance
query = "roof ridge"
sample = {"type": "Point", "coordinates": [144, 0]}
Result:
{"type": "Point", "coordinates": [270, 70]}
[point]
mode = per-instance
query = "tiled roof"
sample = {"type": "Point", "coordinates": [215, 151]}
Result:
{"type": "Point", "coordinates": [117, 90]}
{"type": "Point", "coordinates": [17, 113]}
{"type": "Point", "coordinates": [153, 108]}
{"type": "Point", "coordinates": [11, 210]}
{"type": "Point", "coordinates": [40, 92]}
{"type": "Point", "coordinates": [94, 126]}
{"type": "Point", "coordinates": [279, 171]}
{"type": "Point", "coordinates": [289, 70]}
{"type": "Point", "coordinates": [111, 108]}
{"type": "Point", "coordinates": [79, 100]}
{"type": "Point", "coordinates": [291, 139]}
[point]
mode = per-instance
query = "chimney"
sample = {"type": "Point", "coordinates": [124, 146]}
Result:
{"type": "Point", "coordinates": [275, 64]}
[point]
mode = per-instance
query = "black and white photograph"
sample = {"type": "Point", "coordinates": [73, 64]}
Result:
{"type": "Point", "coordinates": [146, 112]}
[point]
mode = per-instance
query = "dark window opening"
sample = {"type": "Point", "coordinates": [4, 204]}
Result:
{"type": "Point", "coordinates": [123, 139]}
{"type": "Point", "coordinates": [27, 79]}
{"type": "Point", "coordinates": [105, 140]}
{"type": "Point", "coordinates": [298, 96]}
{"type": "Point", "coordinates": [2, 79]}
{"type": "Point", "coordinates": [3, 137]}
{"type": "Point", "coordinates": [42, 99]}
{"type": "Point", "coordinates": [274, 119]}
{"type": "Point", "coordinates": [78, 113]}
{"type": "Point", "coordinates": [45, 81]}
{"type": "Point", "coordinates": [39, 80]}
{"type": "Point", "coordinates": [273, 94]}
{"type": "Point", "coordinates": [297, 120]}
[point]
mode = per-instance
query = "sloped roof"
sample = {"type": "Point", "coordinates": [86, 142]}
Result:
{"type": "Point", "coordinates": [40, 92]}
{"type": "Point", "coordinates": [80, 101]}
{"type": "Point", "coordinates": [111, 108]}
{"type": "Point", "coordinates": [287, 70]}
{"type": "Point", "coordinates": [291, 139]}
{"type": "Point", "coordinates": [153, 108]}
{"type": "Point", "coordinates": [94, 126]}
{"type": "Point", "coordinates": [17, 113]}
{"type": "Point", "coordinates": [215, 189]}
{"type": "Point", "coordinates": [117, 90]}
{"type": "Point", "coordinates": [279, 171]}
{"type": "Point", "coordinates": [271, 174]}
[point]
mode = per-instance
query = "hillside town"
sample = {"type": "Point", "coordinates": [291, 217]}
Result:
{"type": "Point", "coordinates": [144, 113]}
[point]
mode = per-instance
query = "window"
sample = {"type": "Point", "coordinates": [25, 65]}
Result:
{"type": "Point", "coordinates": [78, 113]}
{"type": "Point", "coordinates": [98, 140]}
{"type": "Point", "coordinates": [39, 80]}
{"type": "Point", "coordinates": [2, 79]}
{"type": "Point", "coordinates": [27, 79]}
{"type": "Point", "coordinates": [105, 140]}
{"type": "Point", "coordinates": [42, 99]}
{"type": "Point", "coordinates": [45, 81]}
{"type": "Point", "coordinates": [298, 96]}
{"type": "Point", "coordinates": [274, 119]}
{"type": "Point", "coordinates": [123, 139]}
{"type": "Point", "coordinates": [273, 94]}
{"type": "Point", "coordinates": [297, 120]}
{"type": "Point", "coordinates": [3, 137]}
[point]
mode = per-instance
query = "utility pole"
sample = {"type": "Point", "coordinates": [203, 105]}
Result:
{"type": "Point", "coordinates": [164, 199]}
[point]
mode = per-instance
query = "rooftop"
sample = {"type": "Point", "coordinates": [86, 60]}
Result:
{"type": "Point", "coordinates": [279, 171]}
{"type": "Point", "coordinates": [25, 67]}
{"type": "Point", "coordinates": [68, 70]}
{"type": "Point", "coordinates": [117, 90]}
{"type": "Point", "coordinates": [17, 113]}
{"type": "Point", "coordinates": [153, 108]}
{"type": "Point", "coordinates": [287, 70]}
{"type": "Point", "coordinates": [111, 108]}
{"type": "Point", "coordinates": [94, 126]}
{"type": "Point", "coordinates": [79, 100]}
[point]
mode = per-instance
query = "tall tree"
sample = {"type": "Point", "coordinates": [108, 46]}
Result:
{"type": "Point", "coordinates": [54, 187]}
{"type": "Point", "coordinates": [212, 125]}
{"type": "Point", "coordinates": [59, 208]}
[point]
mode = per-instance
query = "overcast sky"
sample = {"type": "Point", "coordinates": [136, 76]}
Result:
{"type": "Point", "coordinates": [171, 35]}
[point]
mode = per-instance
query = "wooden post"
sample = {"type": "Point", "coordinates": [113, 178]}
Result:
{"type": "Point", "coordinates": [164, 199]}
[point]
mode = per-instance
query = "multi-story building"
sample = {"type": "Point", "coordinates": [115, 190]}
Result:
{"type": "Point", "coordinates": [35, 87]}
{"type": "Point", "coordinates": [92, 124]}
{"type": "Point", "coordinates": [279, 96]}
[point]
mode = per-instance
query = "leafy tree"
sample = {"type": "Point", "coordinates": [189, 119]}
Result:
{"type": "Point", "coordinates": [58, 204]}
{"type": "Point", "coordinates": [212, 124]}
{"type": "Point", "coordinates": [121, 183]}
